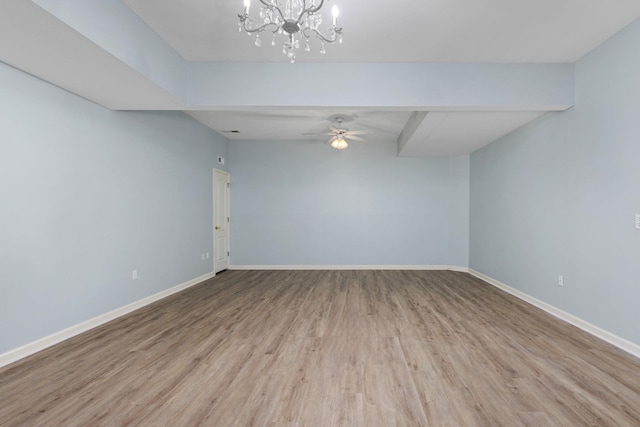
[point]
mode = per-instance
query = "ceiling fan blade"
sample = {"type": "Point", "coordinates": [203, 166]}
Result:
{"type": "Point", "coordinates": [355, 138]}
{"type": "Point", "coordinates": [316, 133]}
{"type": "Point", "coordinates": [359, 132]}
{"type": "Point", "coordinates": [330, 140]}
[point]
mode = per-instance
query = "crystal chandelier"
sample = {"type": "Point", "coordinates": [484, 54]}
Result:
{"type": "Point", "coordinates": [295, 19]}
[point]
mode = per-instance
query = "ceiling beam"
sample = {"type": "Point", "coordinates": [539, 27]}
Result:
{"type": "Point", "coordinates": [112, 26]}
{"type": "Point", "coordinates": [415, 86]}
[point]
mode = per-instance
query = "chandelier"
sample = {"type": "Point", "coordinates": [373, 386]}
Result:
{"type": "Point", "coordinates": [295, 19]}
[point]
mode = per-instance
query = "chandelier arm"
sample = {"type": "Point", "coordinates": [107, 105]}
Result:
{"type": "Point", "coordinates": [321, 36]}
{"type": "Point", "coordinates": [302, 12]}
{"type": "Point", "coordinates": [272, 7]}
{"type": "Point", "coordinates": [243, 19]}
{"type": "Point", "coordinates": [311, 9]}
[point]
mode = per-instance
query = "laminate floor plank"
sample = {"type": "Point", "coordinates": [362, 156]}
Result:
{"type": "Point", "coordinates": [328, 348]}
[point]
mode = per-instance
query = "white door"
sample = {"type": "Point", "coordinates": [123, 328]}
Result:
{"type": "Point", "coordinates": [221, 188]}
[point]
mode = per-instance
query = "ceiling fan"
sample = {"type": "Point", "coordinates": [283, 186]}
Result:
{"type": "Point", "coordinates": [339, 137]}
{"type": "Point", "coordinates": [339, 134]}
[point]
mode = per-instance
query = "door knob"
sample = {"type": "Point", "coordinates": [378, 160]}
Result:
{"type": "Point", "coordinates": [218, 228]}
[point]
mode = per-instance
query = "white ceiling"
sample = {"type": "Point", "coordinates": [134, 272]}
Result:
{"type": "Point", "coordinates": [504, 31]}
{"type": "Point", "coordinates": [404, 30]}
{"type": "Point", "coordinates": [383, 126]}
{"type": "Point", "coordinates": [446, 133]}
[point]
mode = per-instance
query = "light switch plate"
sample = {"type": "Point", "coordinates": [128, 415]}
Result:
{"type": "Point", "coordinates": [638, 221]}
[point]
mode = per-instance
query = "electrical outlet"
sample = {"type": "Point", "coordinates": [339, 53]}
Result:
{"type": "Point", "coordinates": [203, 256]}
{"type": "Point", "coordinates": [134, 275]}
{"type": "Point", "coordinates": [207, 255]}
{"type": "Point", "coordinates": [561, 280]}
{"type": "Point", "coordinates": [638, 221]}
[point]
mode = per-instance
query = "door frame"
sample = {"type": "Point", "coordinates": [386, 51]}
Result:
{"type": "Point", "coordinates": [213, 219]}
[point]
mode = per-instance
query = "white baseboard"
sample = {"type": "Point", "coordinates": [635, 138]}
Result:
{"type": "Point", "coordinates": [35, 346]}
{"type": "Point", "coordinates": [604, 335]}
{"type": "Point", "coordinates": [349, 267]}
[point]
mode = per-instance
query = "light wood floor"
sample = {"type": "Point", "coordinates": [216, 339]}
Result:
{"type": "Point", "coordinates": [322, 348]}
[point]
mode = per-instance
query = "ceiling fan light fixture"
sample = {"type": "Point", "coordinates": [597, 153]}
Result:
{"type": "Point", "coordinates": [339, 143]}
{"type": "Point", "coordinates": [295, 19]}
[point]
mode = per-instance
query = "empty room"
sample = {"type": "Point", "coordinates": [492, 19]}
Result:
{"type": "Point", "coordinates": [319, 213]}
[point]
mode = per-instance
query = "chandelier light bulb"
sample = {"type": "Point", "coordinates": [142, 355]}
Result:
{"type": "Point", "coordinates": [335, 12]}
{"type": "Point", "coordinates": [247, 4]}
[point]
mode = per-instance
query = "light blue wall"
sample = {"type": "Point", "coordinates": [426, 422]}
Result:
{"type": "Point", "coordinates": [559, 197]}
{"type": "Point", "coordinates": [304, 203]}
{"type": "Point", "coordinates": [537, 87]}
{"type": "Point", "coordinates": [86, 196]}
{"type": "Point", "coordinates": [458, 216]}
